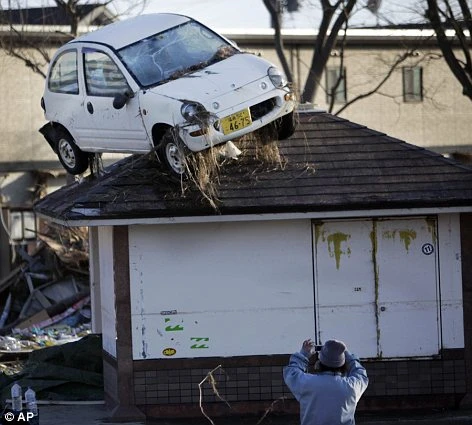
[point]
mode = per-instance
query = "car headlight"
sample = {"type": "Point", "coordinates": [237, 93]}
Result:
{"type": "Point", "coordinates": [190, 110]}
{"type": "Point", "coordinates": [277, 77]}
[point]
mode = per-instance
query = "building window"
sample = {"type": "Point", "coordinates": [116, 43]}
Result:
{"type": "Point", "coordinates": [413, 84]}
{"type": "Point", "coordinates": [336, 85]}
{"type": "Point", "coordinates": [22, 226]}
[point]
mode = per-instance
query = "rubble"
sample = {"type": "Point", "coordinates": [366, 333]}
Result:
{"type": "Point", "coordinates": [44, 304]}
{"type": "Point", "coordinates": [45, 299]}
{"type": "Point", "coordinates": [67, 372]}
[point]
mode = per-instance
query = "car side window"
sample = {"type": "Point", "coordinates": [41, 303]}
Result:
{"type": "Point", "coordinates": [63, 77]}
{"type": "Point", "coordinates": [102, 75]}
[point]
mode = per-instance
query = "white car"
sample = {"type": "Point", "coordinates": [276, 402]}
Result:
{"type": "Point", "coordinates": [162, 81]}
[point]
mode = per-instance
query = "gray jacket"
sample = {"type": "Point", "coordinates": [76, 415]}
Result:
{"type": "Point", "coordinates": [326, 398]}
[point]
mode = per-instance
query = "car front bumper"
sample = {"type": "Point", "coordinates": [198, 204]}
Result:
{"type": "Point", "coordinates": [263, 110]}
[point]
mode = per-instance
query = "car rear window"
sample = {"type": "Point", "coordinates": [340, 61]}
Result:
{"type": "Point", "coordinates": [63, 77]}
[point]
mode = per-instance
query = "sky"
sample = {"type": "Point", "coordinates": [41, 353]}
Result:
{"type": "Point", "coordinates": [252, 14]}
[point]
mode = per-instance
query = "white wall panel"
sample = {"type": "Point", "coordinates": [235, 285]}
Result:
{"type": "Point", "coordinates": [451, 281]}
{"type": "Point", "coordinates": [221, 289]}
{"type": "Point", "coordinates": [107, 289]}
{"type": "Point", "coordinates": [344, 276]}
{"type": "Point", "coordinates": [377, 286]}
{"type": "Point", "coordinates": [95, 287]}
{"type": "Point", "coordinates": [407, 287]}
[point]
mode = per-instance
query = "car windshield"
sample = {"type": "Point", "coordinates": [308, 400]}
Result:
{"type": "Point", "coordinates": [175, 52]}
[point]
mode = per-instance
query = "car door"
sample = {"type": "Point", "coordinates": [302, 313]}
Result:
{"type": "Point", "coordinates": [63, 96]}
{"type": "Point", "coordinates": [103, 127]}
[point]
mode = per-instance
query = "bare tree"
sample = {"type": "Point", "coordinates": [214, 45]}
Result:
{"type": "Point", "coordinates": [325, 41]}
{"type": "Point", "coordinates": [455, 15]}
{"type": "Point", "coordinates": [332, 37]}
{"type": "Point", "coordinates": [334, 17]}
{"type": "Point", "coordinates": [21, 45]}
{"type": "Point", "coordinates": [33, 48]}
{"type": "Point", "coordinates": [275, 8]}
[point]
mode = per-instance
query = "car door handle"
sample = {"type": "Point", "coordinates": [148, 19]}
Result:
{"type": "Point", "coordinates": [90, 107]}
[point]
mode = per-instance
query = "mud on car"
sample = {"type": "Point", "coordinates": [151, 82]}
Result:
{"type": "Point", "coordinates": [158, 81]}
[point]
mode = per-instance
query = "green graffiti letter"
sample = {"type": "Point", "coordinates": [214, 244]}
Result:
{"type": "Point", "coordinates": [334, 246]}
{"type": "Point", "coordinates": [174, 328]}
{"type": "Point", "coordinates": [199, 346]}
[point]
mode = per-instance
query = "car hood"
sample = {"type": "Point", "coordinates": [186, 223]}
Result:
{"type": "Point", "coordinates": [216, 80]}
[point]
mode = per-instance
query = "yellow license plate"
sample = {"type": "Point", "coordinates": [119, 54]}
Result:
{"type": "Point", "coordinates": [237, 121]}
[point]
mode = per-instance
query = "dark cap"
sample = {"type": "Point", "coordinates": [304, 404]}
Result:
{"type": "Point", "coordinates": [332, 353]}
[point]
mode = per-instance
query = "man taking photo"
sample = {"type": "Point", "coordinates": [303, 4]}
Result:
{"type": "Point", "coordinates": [330, 395]}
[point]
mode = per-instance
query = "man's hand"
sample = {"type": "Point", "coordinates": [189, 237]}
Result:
{"type": "Point", "coordinates": [307, 347]}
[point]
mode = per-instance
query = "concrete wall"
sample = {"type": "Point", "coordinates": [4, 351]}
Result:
{"type": "Point", "coordinates": [21, 113]}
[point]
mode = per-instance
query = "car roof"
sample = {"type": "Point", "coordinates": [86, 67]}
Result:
{"type": "Point", "coordinates": [123, 33]}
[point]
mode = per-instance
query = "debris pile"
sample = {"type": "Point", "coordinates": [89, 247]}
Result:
{"type": "Point", "coordinates": [45, 299]}
{"type": "Point", "coordinates": [66, 372]}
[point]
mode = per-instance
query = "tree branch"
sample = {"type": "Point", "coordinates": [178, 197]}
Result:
{"type": "Point", "coordinates": [462, 74]}
{"type": "Point", "coordinates": [325, 44]}
{"type": "Point", "coordinates": [275, 11]}
{"type": "Point", "coordinates": [465, 8]}
{"type": "Point", "coordinates": [338, 24]}
{"type": "Point", "coordinates": [342, 75]}
{"type": "Point", "coordinates": [451, 20]}
{"type": "Point", "coordinates": [392, 69]}
{"type": "Point", "coordinates": [19, 43]}
{"type": "Point", "coordinates": [320, 57]}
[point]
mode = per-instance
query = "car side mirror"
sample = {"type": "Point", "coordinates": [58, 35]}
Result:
{"type": "Point", "coordinates": [121, 99]}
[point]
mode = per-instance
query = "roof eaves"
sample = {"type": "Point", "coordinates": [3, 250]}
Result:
{"type": "Point", "coordinates": [92, 217]}
{"type": "Point", "coordinates": [376, 35]}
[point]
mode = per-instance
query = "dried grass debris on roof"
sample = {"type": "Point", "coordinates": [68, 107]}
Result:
{"type": "Point", "coordinates": [263, 146]}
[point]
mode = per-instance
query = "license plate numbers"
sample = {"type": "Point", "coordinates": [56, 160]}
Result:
{"type": "Point", "coordinates": [236, 121]}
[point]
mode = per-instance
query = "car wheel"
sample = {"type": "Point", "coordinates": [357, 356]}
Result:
{"type": "Point", "coordinates": [285, 126]}
{"type": "Point", "coordinates": [72, 158]}
{"type": "Point", "coordinates": [171, 152]}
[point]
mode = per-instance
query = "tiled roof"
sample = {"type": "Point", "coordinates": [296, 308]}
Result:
{"type": "Point", "coordinates": [330, 165]}
{"type": "Point", "coordinates": [52, 15]}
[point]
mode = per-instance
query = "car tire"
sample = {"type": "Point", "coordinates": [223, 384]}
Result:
{"type": "Point", "coordinates": [285, 126]}
{"type": "Point", "coordinates": [71, 157]}
{"type": "Point", "coordinates": [172, 153]}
